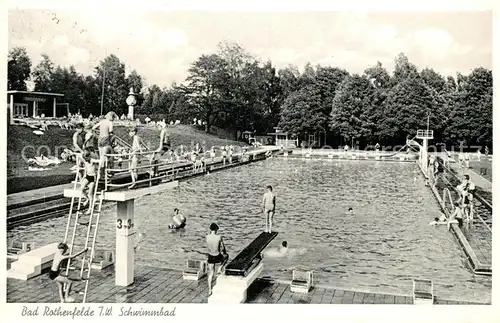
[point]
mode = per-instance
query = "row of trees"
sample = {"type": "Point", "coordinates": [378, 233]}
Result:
{"type": "Point", "coordinates": [83, 93]}
{"type": "Point", "coordinates": [231, 89]}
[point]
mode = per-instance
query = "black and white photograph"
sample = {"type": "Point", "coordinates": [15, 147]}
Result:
{"type": "Point", "coordinates": [260, 157]}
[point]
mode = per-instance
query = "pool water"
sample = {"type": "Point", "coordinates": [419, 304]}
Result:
{"type": "Point", "coordinates": [380, 247]}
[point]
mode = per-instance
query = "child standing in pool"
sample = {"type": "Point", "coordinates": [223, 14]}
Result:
{"type": "Point", "coordinates": [55, 272]}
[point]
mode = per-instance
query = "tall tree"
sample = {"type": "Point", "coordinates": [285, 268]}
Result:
{"type": "Point", "coordinates": [42, 74]}
{"type": "Point", "coordinates": [111, 73]}
{"type": "Point", "coordinates": [352, 113]}
{"type": "Point", "coordinates": [302, 112]}
{"type": "Point", "coordinates": [207, 83]}
{"type": "Point", "coordinates": [18, 69]}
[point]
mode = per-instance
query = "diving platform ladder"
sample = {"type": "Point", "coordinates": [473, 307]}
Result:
{"type": "Point", "coordinates": [90, 234]}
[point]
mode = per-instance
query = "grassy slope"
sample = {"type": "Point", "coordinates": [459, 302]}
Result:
{"type": "Point", "coordinates": [20, 137]}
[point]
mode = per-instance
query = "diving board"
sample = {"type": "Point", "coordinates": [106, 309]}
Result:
{"type": "Point", "coordinates": [243, 262]}
{"type": "Point", "coordinates": [241, 272]}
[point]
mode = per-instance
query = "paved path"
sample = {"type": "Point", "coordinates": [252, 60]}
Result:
{"type": "Point", "coordinates": [477, 179]}
{"type": "Point", "coordinates": [155, 285]}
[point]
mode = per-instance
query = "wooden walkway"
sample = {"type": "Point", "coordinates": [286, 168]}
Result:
{"type": "Point", "coordinates": [156, 285]}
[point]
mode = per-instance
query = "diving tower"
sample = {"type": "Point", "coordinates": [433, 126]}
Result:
{"type": "Point", "coordinates": [425, 136]}
{"type": "Point", "coordinates": [125, 228]}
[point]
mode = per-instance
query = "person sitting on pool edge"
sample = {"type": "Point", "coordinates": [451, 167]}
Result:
{"type": "Point", "coordinates": [178, 220]}
{"type": "Point", "coordinates": [55, 272]}
{"type": "Point", "coordinates": [217, 254]}
{"type": "Point", "coordinates": [457, 215]}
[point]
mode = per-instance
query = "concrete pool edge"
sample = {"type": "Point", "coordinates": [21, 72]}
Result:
{"type": "Point", "coordinates": [148, 288]}
{"type": "Point", "coordinates": [24, 199]}
{"type": "Point", "coordinates": [478, 267]}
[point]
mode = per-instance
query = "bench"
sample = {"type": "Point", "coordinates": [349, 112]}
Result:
{"type": "Point", "coordinates": [17, 248]}
{"type": "Point", "coordinates": [195, 269]}
{"type": "Point", "coordinates": [423, 292]}
{"type": "Point", "coordinates": [302, 281]}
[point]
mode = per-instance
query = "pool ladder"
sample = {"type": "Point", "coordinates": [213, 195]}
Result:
{"type": "Point", "coordinates": [91, 232]}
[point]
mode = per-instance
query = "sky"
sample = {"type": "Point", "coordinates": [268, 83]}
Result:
{"type": "Point", "coordinates": [161, 45]}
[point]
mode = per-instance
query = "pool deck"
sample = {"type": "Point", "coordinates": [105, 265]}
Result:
{"type": "Point", "coordinates": [158, 285]}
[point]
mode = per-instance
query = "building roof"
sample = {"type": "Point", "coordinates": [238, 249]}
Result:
{"type": "Point", "coordinates": [279, 134]}
{"type": "Point", "coordinates": [35, 93]}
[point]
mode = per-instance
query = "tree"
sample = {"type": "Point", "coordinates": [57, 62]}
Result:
{"type": "Point", "coordinates": [207, 87]}
{"type": "Point", "coordinates": [288, 78]}
{"type": "Point", "coordinates": [72, 84]}
{"type": "Point", "coordinates": [403, 69]}
{"type": "Point", "coordinates": [471, 109]}
{"type": "Point", "coordinates": [407, 106]}
{"type": "Point", "coordinates": [18, 69]}
{"type": "Point", "coordinates": [302, 112]}
{"type": "Point", "coordinates": [134, 80]}
{"type": "Point", "coordinates": [111, 73]}
{"type": "Point", "coordinates": [352, 113]}
{"type": "Point", "coordinates": [42, 74]}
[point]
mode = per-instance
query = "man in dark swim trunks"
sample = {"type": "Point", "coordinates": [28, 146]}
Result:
{"type": "Point", "coordinates": [216, 254]}
{"type": "Point", "coordinates": [55, 272]}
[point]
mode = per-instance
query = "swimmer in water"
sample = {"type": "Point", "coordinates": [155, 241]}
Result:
{"type": "Point", "coordinates": [442, 219]}
{"type": "Point", "coordinates": [60, 279]}
{"type": "Point", "coordinates": [277, 252]}
{"type": "Point", "coordinates": [350, 210]}
{"type": "Point", "coordinates": [178, 220]}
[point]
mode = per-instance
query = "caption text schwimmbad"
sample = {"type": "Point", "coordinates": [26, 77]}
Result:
{"type": "Point", "coordinates": [90, 311]}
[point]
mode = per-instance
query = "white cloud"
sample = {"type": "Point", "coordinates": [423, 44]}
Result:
{"type": "Point", "coordinates": [60, 41]}
{"type": "Point", "coordinates": [77, 55]}
{"type": "Point", "coordinates": [173, 38]}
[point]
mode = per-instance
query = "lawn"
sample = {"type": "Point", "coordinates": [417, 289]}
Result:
{"type": "Point", "coordinates": [22, 144]}
{"type": "Point", "coordinates": [476, 166]}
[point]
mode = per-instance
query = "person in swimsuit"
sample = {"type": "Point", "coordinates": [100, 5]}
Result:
{"type": "Point", "coordinates": [163, 148]}
{"type": "Point", "coordinates": [91, 141]}
{"type": "Point", "coordinates": [136, 148]}
{"type": "Point", "coordinates": [466, 189]}
{"type": "Point", "coordinates": [78, 139]}
{"type": "Point", "coordinates": [178, 220]}
{"type": "Point", "coordinates": [269, 205]}
{"type": "Point", "coordinates": [89, 179]}
{"type": "Point", "coordinates": [55, 272]}
{"type": "Point", "coordinates": [457, 215]}
{"type": "Point", "coordinates": [442, 219]}
{"type": "Point", "coordinates": [105, 132]}
{"type": "Point", "coordinates": [224, 155]}
{"type": "Point", "coordinates": [216, 254]}
{"type": "Point", "coordinates": [78, 147]}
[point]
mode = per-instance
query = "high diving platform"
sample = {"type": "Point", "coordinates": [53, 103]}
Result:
{"type": "Point", "coordinates": [125, 228]}
{"type": "Point", "coordinates": [241, 272]}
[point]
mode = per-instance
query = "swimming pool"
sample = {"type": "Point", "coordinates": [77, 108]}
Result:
{"type": "Point", "coordinates": [380, 247]}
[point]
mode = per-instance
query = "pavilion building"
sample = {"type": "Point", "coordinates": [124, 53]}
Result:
{"type": "Point", "coordinates": [28, 104]}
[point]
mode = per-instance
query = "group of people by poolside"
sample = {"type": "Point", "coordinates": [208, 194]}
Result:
{"type": "Point", "coordinates": [217, 255]}
{"type": "Point", "coordinates": [462, 207]}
